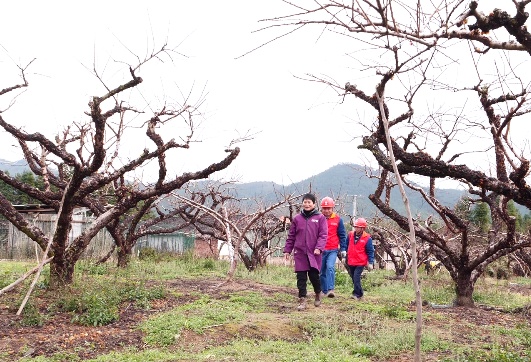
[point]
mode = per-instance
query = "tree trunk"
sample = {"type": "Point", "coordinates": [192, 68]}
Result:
{"type": "Point", "coordinates": [107, 256]}
{"type": "Point", "coordinates": [464, 288]}
{"type": "Point", "coordinates": [61, 272]}
{"type": "Point", "coordinates": [124, 256]}
{"type": "Point", "coordinates": [246, 260]}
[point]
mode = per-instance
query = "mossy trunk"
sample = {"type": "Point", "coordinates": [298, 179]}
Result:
{"type": "Point", "coordinates": [124, 256]}
{"type": "Point", "coordinates": [61, 272]}
{"type": "Point", "coordinates": [464, 288]}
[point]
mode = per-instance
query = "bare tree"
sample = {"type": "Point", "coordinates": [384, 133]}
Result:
{"type": "Point", "coordinates": [248, 227]}
{"type": "Point", "coordinates": [79, 164]}
{"type": "Point", "coordinates": [147, 218]}
{"type": "Point", "coordinates": [412, 50]}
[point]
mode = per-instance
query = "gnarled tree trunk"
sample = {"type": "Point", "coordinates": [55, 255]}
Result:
{"type": "Point", "coordinates": [464, 288]}
{"type": "Point", "coordinates": [124, 256]}
{"type": "Point", "coordinates": [61, 272]}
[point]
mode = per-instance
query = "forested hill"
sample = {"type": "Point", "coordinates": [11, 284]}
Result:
{"type": "Point", "coordinates": [14, 168]}
{"type": "Point", "coordinates": [343, 181]}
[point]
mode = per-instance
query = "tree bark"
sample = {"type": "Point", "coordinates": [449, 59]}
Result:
{"type": "Point", "coordinates": [464, 288]}
{"type": "Point", "coordinates": [124, 256]}
{"type": "Point", "coordinates": [61, 272]}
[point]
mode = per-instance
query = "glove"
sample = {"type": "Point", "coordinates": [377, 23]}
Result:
{"type": "Point", "coordinates": [343, 255]}
{"type": "Point", "coordinates": [370, 266]}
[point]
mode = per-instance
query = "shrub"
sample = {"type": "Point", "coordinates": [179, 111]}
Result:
{"type": "Point", "coordinates": [208, 264]}
{"type": "Point", "coordinates": [148, 254]}
{"type": "Point", "coordinates": [97, 311]}
{"type": "Point", "coordinates": [31, 317]}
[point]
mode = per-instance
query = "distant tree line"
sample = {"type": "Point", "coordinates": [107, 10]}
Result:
{"type": "Point", "coordinates": [18, 197]}
{"type": "Point", "coordinates": [479, 214]}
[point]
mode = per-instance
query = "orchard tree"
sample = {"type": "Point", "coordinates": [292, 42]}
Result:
{"type": "Point", "coordinates": [450, 83]}
{"type": "Point", "coordinates": [146, 218]}
{"type": "Point", "coordinates": [88, 156]}
{"type": "Point", "coordinates": [246, 226]}
{"type": "Point", "coordinates": [392, 241]}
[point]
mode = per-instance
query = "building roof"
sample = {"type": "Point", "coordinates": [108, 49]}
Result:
{"type": "Point", "coordinates": [41, 208]}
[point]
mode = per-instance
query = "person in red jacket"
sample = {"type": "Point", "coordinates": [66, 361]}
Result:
{"type": "Point", "coordinates": [336, 241]}
{"type": "Point", "coordinates": [360, 254]}
{"type": "Point", "coordinates": [307, 239]}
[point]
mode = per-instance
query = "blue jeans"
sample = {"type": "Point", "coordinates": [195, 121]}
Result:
{"type": "Point", "coordinates": [328, 270]}
{"type": "Point", "coordinates": [355, 274]}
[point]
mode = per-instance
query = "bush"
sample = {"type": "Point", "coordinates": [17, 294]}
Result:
{"type": "Point", "coordinates": [31, 317]}
{"type": "Point", "coordinates": [94, 310]}
{"type": "Point", "coordinates": [208, 264]}
{"type": "Point", "coordinates": [499, 269]}
{"type": "Point", "coordinates": [139, 294]}
{"type": "Point", "coordinates": [154, 255]}
{"type": "Point", "coordinates": [147, 254]}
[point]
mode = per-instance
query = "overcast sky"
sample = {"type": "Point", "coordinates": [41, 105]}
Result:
{"type": "Point", "coordinates": [301, 127]}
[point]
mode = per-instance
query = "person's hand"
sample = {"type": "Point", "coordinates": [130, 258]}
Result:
{"type": "Point", "coordinates": [317, 251]}
{"type": "Point", "coordinates": [343, 255]}
{"type": "Point", "coordinates": [286, 256]}
{"type": "Point", "coordinates": [370, 266]}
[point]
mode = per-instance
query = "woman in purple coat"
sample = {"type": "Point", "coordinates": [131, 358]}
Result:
{"type": "Point", "coordinates": [307, 239]}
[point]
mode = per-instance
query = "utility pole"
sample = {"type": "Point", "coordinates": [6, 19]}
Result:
{"type": "Point", "coordinates": [354, 206]}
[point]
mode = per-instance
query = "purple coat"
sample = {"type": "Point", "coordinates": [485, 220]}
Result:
{"type": "Point", "coordinates": [305, 235]}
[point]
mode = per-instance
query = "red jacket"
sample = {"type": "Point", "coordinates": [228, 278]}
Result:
{"type": "Point", "coordinates": [359, 253]}
{"type": "Point", "coordinates": [337, 235]}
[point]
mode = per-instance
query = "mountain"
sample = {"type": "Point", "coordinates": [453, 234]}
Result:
{"type": "Point", "coordinates": [351, 179]}
{"type": "Point", "coordinates": [345, 181]}
{"type": "Point", "coordinates": [340, 181]}
{"type": "Point", "coordinates": [14, 168]}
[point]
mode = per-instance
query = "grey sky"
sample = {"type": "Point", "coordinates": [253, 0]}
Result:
{"type": "Point", "coordinates": [258, 92]}
{"type": "Point", "coordinates": [302, 129]}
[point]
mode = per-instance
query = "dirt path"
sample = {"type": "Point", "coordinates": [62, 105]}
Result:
{"type": "Point", "coordinates": [58, 334]}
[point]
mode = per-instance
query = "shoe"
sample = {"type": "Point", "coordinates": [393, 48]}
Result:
{"type": "Point", "coordinates": [317, 301]}
{"type": "Point", "coordinates": [302, 303]}
{"type": "Point", "coordinates": [355, 297]}
{"type": "Point", "coordinates": [330, 294]}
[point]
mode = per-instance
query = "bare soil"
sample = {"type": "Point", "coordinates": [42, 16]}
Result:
{"type": "Point", "coordinates": [58, 334]}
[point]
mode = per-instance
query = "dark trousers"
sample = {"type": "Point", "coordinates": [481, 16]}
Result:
{"type": "Point", "coordinates": [355, 274]}
{"type": "Point", "coordinates": [302, 281]}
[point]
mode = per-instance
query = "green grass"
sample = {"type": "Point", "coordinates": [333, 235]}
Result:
{"type": "Point", "coordinates": [176, 267]}
{"type": "Point", "coordinates": [203, 313]}
{"type": "Point", "coordinates": [521, 281]}
{"type": "Point", "coordinates": [11, 271]}
{"type": "Point", "coordinates": [494, 292]}
{"type": "Point", "coordinates": [259, 326]}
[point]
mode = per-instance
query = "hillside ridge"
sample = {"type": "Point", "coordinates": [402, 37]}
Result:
{"type": "Point", "coordinates": [341, 182]}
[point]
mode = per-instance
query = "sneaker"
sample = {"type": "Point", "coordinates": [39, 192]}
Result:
{"type": "Point", "coordinates": [355, 297]}
{"type": "Point", "coordinates": [317, 301]}
{"type": "Point", "coordinates": [330, 294]}
{"type": "Point", "coordinates": [302, 303]}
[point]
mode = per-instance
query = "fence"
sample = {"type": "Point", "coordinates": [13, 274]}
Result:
{"type": "Point", "coordinates": [15, 245]}
{"type": "Point", "coordinates": [173, 243]}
